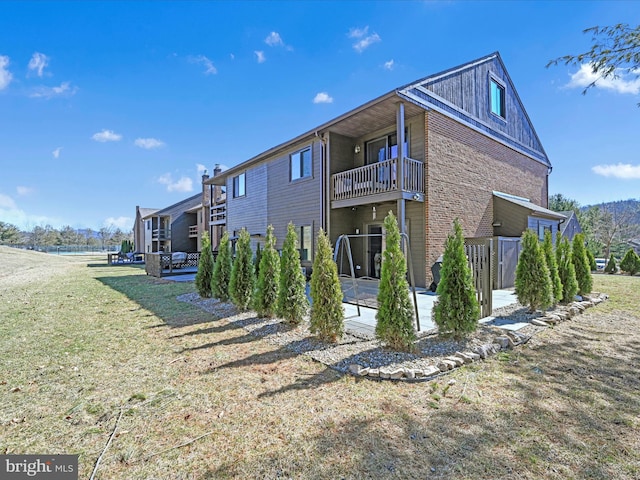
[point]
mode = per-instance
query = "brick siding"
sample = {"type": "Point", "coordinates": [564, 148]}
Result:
{"type": "Point", "coordinates": [462, 169]}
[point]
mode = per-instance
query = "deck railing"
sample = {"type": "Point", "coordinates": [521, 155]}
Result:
{"type": "Point", "coordinates": [218, 214]}
{"type": "Point", "coordinates": [161, 234]}
{"type": "Point", "coordinates": [381, 177]}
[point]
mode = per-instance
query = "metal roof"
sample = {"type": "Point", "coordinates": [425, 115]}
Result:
{"type": "Point", "coordinates": [532, 207]}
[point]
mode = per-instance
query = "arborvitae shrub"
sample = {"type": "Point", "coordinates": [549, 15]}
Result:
{"type": "Point", "coordinates": [327, 312]}
{"type": "Point", "coordinates": [266, 297]}
{"type": "Point", "coordinates": [566, 270]}
{"type": "Point", "coordinates": [630, 262]}
{"type": "Point", "coordinates": [592, 260]}
{"type": "Point", "coordinates": [242, 281]}
{"type": "Point", "coordinates": [611, 266]}
{"type": "Point", "coordinates": [394, 319]}
{"type": "Point", "coordinates": [456, 311]}
{"type": "Point", "coordinates": [533, 280]}
{"type": "Point", "coordinates": [552, 264]}
{"type": "Point", "coordinates": [292, 299]}
{"type": "Point", "coordinates": [256, 260]}
{"type": "Point", "coordinates": [222, 270]}
{"type": "Point", "coordinates": [205, 268]}
{"type": "Point", "coordinates": [581, 264]}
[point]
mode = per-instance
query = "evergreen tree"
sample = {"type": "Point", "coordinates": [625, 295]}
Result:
{"type": "Point", "coordinates": [222, 270]}
{"type": "Point", "coordinates": [327, 312]}
{"type": "Point", "coordinates": [581, 265]}
{"type": "Point", "coordinates": [592, 260]}
{"type": "Point", "coordinates": [256, 260]}
{"type": "Point", "coordinates": [394, 319]}
{"type": "Point", "coordinates": [266, 297]}
{"type": "Point", "coordinates": [552, 264]}
{"type": "Point", "coordinates": [205, 268]}
{"type": "Point", "coordinates": [630, 262]}
{"type": "Point", "coordinates": [566, 270]}
{"type": "Point", "coordinates": [292, 299]}
{"type": "Point", "coordinates": [533, 280]}
{"type": "Point", "coordinates": [611, 266]}
{"type": "Point", "coordinates": [457, 310]}
{"type": "Point", "coordinates": [242, 281]}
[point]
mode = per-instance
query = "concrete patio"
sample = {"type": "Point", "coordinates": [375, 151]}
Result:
{"type": "Point", "coordinates": [365, 323]}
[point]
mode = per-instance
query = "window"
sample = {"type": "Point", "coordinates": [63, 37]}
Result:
{"type": "Point", "coordinates": [497, 98]}
{"type": "Point", "coordinates": [305, 242]}
{"type": "Point", "coordinates": [386, 148]}
{"type": "Point", "coordinates": [239, 186]}
{"type": "Point", "coordinates": [301, 164]}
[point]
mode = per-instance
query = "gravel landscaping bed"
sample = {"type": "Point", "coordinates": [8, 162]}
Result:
{"type": "Point", "coordinates": [364, 356]}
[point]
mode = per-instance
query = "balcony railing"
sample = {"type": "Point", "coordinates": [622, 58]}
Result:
{"type": "Point", "coordinates": [161, 234]}
{"type": "Point", "coordinates": [193, 231]}
{"type": "Point", "coordinates": [218, 214]}
{"type": "Point", "coordinates": [378, 178]}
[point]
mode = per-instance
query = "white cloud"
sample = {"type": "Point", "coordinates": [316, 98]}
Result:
{"type": "Point", "coordinates": [260, 56]}
{"type": "Point", "coordinates": [209, 67]}
{"type": "Point", "coordinates": [5, 74]}
{"type": "Point", "coordinates": [65, 89]}
{"type": "Point", "coordinates": [274, 40]}
{"type": "Point", "coordinates": [389, 65]}
{"type": "Point", "coordinates": [107, 136]}
{"type": "Point", "coordinates": [39, 61]}
{"type": "Point", "coordinates": [358, 32]}
{"type": "Point", "coordinates": [364, 39]}
{"type": "Point", "coordinates": [22, 191]}
{"type": "Point", "coordinates": [6, 202]}
{"type": "Point", "coordinates": [148, 143]}
{"type": "Point", "coordinates": [184, 184]}
{"type": "Point", "coordinates": [322, 97]}
{"type": "Point", "coordinates": [201, 169]}
{"type": "Point", "coordinates": [624, 171]}
{"type": "Point", "coordinates": [56, 152]}
{"type": "Point", "coordinates": [625, 81]}
{"type": "Point", "coordinates": [123, 223]}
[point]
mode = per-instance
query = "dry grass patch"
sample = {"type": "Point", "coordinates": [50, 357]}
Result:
{"type": "Point", "coordinates": [93, 341]}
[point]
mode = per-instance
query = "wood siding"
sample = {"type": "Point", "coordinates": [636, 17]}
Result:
{"type": "Point", "coordinates": [465, 94]}
{"type": "Point", "coordinates": [272, 199]}
{"type": "Point", "coordinates": [298, 201]}
{"type": "Point", "coordinates": [250, 210]}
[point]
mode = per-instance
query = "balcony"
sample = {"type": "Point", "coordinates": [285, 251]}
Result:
{"type": "Point", "coordinates": [378, 183]}
{"type": "Point", "coordinates": [161, 234]}
{"type": "Point", "coordinates": [193, 231]}
{"type": "Point", "coordinates": [218, 214]}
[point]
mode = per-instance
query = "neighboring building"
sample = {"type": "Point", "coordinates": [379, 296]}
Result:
{"type": "Point", "coordinates": [635, 244]}
{"type": "Point", "coordinates": [139, 241]}
{"type": "Point", "coordinates": [179, 227]}
{"type": "Point", "coordinates": [458, 144]}
{"type": "Point", "coordinates": [174, 228]}
{"type": "Point", "coordinates": [571, 226]}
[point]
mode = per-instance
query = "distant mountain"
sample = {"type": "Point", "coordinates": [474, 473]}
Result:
{"type": "Point", "coordinates": [629, 207]}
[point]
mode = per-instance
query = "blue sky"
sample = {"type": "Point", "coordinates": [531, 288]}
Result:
{"type": "Point", "coordinates": [105, 106]}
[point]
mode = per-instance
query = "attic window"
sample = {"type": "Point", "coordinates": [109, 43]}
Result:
{"type": "Point", "coordinates": [497, 98]}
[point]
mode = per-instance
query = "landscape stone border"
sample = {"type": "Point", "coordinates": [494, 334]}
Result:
{"type": "Point", "coordinates": [506, 341]}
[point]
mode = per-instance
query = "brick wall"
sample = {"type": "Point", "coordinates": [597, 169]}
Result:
{"type": "Point", "coordinates": [462, 169]}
